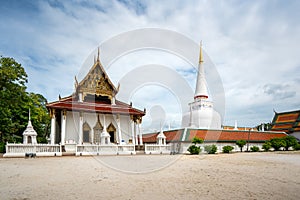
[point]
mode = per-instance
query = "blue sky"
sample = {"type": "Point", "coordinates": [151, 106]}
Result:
{"type": "Point", "coordinates": [253, 44]}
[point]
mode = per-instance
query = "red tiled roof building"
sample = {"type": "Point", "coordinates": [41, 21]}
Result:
{"type": "Point", "coordinates": [92, 114]}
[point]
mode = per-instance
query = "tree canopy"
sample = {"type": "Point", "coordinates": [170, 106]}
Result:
{"type": "Point", "coordinates": [15, 103]}
{"type": "Point", "coordinates": [241, 144]}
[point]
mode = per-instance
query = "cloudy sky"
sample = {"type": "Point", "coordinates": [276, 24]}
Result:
{"type": "Point", "coordinates": [254, 46]}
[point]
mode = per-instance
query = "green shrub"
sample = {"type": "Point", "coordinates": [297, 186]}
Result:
{"type": "Point", "coordinates": [211, 149]}
{"type": "Point", "coordinates": [290, 141]}
{"type": "Point", "coordinates": [277, 143]}
{"type": "Point", "coordinates": [241, 144]}
{"type": "Point", "coordinates": [193, 149]}
{"type": "Point", "coordinates": [267, 146]}
{"type": "Point", "coordinates": [296, 147]}
{"type": "Point", "coordinates": [2, 147]}
{"type": "Point", "coordinates": [227, 149]}
{"type": "Point", "coordinates": [254, 149]}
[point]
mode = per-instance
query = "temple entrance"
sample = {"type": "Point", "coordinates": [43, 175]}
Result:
{"type": "Point", "coordinates": [86, 132]}
{"type": "Point", "coordinates": [97, 132]}
{"type": "Point", "coordinates": [112, 132]}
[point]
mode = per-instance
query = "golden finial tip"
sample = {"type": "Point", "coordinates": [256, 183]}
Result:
{"type": "Point", "coordinates": [201, 54]}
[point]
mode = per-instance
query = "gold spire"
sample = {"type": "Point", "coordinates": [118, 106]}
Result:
{"type": "Point", "coordinates": [98, 56]}
{"type": "Point", "coordinates": [201, 54]}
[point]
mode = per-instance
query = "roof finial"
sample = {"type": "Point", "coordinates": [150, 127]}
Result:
{"type": "Point", "coordinates": [94, 59]}
{"type": "Point", "coordinates": [201, 54]}
{"type": "Point", "coordinates": [98, 56]}
{"type": "Point", "coordinates": [29, 115]}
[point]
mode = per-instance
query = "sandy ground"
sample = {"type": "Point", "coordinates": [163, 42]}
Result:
{"type": "Point", "coordinates": [223, 176]}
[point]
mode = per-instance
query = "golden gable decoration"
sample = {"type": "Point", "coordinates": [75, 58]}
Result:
{"type": "Point", "coordinates": [96, 82]}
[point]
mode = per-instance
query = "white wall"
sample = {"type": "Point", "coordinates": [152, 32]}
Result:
{"type": "Point", "coordinates": [72, 124]}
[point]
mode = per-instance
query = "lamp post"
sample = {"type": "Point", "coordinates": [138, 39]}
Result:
{"type": "Point", "coordinates": [248, 139]}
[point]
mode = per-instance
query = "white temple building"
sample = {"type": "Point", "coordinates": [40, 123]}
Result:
{"type": "Point", "coordinates": [202, 113]}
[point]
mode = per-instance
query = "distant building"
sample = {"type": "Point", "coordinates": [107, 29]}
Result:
{"type": "Point", "coordinates": [180, 139]}
{"type": "Point", "coordinates": [288, 122]}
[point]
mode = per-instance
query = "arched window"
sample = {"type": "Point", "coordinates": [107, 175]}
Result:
{"type": "Point", "coordinates": [97, 132]}
{"type": "Point", "coordinates": [112, 132]}
{"type": "Point", "coordinates": [86, 132]}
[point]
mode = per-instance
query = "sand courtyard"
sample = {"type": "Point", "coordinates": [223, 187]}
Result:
{"type": "Point", "coordinates": [274, 175]}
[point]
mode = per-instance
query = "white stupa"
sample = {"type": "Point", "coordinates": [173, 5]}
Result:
{"type": "Point", "coordinates": [29, 135]}
{"type": "Point", "coordinates": [202, 113]}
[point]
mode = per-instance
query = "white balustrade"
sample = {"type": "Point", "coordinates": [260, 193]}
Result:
{"type": "Point", "coordinates": [157, 149]}
{"type": "Point", "coordinates": [19, 150]}
{"type": "Point", "coordinates": [104, 149]}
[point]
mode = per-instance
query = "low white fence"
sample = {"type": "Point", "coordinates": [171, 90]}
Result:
{"type": "Point", "coordinates": [157, 149]}
{"type": "Point", "coordinates": [105, 150]}
{"type": "Point", "coordinates": [20, 150]}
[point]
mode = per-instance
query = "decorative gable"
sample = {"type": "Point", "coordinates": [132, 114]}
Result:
{"type": "Point", "coordinates": [96, 82]}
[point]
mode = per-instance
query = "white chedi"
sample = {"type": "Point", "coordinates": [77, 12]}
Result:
{"type": "Point", "coordinates": [29, 135]}
{"type": "Point", "coordinates": [202, 113]}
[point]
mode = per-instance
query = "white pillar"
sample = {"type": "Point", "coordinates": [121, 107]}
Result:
{"type": "Point", "coordinates": [132, 132]}
{"type": "Point", "coordinates": [92, 136]}
{"type": "Point", "coordinates": [25, 139]}
{"type": "Point", "coordinates": [119, 128]}
{"type": "Point", "coordinates": [135, 133]}
{"type": "Point", "coordinates": [235, 125]}
{"type": "Point", "coordinates": [52, 133]}
{"type": "Point", "coordinates": [63, 127]}
{"type": "Point", "coordinates": [80, 132]}
{"type": "Point", "coordinates": [80, 97]}
{"type": "Point", "coordinates": [140, 133]}
{"type": "Point", "coordinates": [191, 116]}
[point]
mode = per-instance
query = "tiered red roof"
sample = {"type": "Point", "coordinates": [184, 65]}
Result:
{"type": "Point", "coordinates": [288, 122]}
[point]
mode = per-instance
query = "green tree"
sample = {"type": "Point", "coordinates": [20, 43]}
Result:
{"type": "Point", "coordinates": [197, 140]}
{"type": "Point", "coordinates": [277, 143]}
{"type": "Point", "coordinates": [241, 144]}
{"type": "Point", "coordinates": [15, 103]}
{"type": "Point", "coordinates": [290, 141]}
{"type": "Point", "coordinates": [267, 146]}
{"type": "Point", "coordinates": [13, 96]}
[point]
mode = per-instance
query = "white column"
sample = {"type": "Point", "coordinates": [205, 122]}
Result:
{"type": "Point", "coordinates": [63, 127]}
{"type": "Point", "coordinates": [92, 136]}
{"type": "Point", "coordinates": [140, 134]}
{"type": "Point", "coordinates": [119, 128]}
{"type": "Point", "coordinates": [135, 133]}
{"type": "Point", "coordinates": [132, 132]}
{"type": "Point", "coordinates": [80, 132]}
{"type": "Point", "coordinates": [191, 116]}
{"type": "Point", "coordinates": [52, 133]}
{"type": "Point", "coordinates": [25, 139]}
